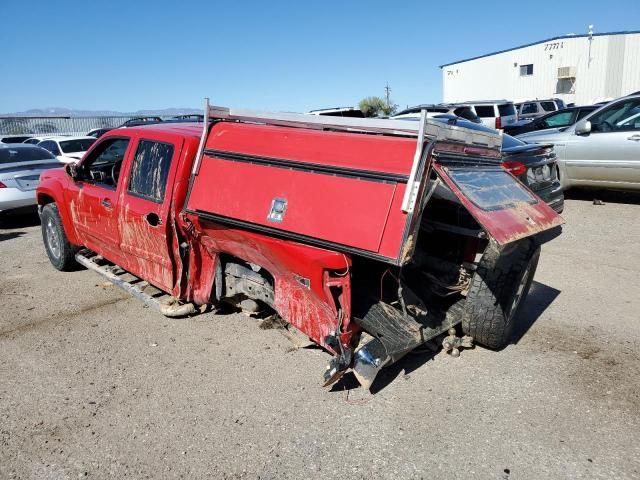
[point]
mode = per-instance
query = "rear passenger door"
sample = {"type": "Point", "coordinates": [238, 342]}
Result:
{"type": "Point", "coordinates": [145, 226]}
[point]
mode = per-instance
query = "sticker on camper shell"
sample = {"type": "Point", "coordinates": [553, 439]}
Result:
{"type": "Point", "coordinates": [278, 207]}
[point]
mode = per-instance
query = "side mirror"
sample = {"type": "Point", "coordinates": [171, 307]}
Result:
{"type": "Point", "coordinates": [583, 127]}
{"type": "Point", "coordinates": [72, 170]}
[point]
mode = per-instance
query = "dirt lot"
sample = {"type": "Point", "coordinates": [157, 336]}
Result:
{"type": "Point", "coordinates": [92, 384]}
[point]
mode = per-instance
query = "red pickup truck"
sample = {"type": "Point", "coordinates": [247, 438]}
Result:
{"type": "Point", "coordinates": [369, 236]}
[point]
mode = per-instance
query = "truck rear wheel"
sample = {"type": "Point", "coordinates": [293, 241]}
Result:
{"type": "Point", "coordinates": [60, 252]}
{"type": "Point", "coordinates": [497, 292]}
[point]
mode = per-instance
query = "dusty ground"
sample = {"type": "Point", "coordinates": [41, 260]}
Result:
{"type": "Point", "coordinates": [93, 384]}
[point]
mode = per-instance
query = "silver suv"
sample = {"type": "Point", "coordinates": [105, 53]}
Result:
{"type": "Point", "coordinates": [493, 113]}
{"type": "Point", "coordinates": [536, 108]}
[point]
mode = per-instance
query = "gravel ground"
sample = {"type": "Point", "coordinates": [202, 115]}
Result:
{"type": "Point", "coordinates": [92, 384]}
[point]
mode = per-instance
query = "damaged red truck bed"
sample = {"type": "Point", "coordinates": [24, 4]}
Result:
{"type": "Point", "coordinates": [371, 237]}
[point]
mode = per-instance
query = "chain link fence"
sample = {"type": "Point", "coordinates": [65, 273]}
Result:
{"type": "Point", "coordinates": [58, 125]}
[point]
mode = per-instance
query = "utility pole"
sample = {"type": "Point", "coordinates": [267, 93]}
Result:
{"type": "Point", "coordinates": [387, 94]}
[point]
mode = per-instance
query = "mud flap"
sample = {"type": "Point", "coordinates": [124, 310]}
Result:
{"type": "Point", "coordinates": [500, 203]}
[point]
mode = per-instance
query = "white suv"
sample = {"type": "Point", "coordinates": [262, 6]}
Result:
{"type": "Point", "coordinates": [493, 113]}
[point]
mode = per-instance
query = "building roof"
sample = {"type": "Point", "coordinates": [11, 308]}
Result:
{"type": "Point", "coordinates": [561, 37]}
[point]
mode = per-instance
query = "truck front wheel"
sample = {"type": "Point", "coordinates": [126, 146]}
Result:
{"type": "Point", "coordinates": [497, 292]}
{"type": "Point", "coordinates": [60, 252]}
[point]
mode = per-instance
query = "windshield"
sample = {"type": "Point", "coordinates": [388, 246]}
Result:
{"type": "Point", "coordinates": [24, 154]}
{"type": "Point", "coordinates": [81, 145]}
{"type": "Point", "coordinates": [508, 142]}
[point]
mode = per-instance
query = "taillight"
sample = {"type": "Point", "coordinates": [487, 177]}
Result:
{"type": "Point", "coordinates": [516, 168]}
{"type": "Point", "coordinates": [2, 185]}
{"type": "Point", "coordinates": [498, 123]}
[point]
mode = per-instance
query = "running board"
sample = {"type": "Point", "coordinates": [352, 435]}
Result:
{"type": "Point", "coordinates": [141, 289]}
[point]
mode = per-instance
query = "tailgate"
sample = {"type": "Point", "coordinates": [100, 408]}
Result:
{"type": "Point", "coordinates": [506, 209]}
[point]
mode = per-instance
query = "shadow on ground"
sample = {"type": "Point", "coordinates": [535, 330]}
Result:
{"type": "Point", "coordinates": [607, 196]}
{"type": "Point", "coordinates": [539, 298]}
{"type": "Point", "coordinates": [19, 219]}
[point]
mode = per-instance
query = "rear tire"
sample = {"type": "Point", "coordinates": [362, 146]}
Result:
{"type": "Point", "coordinates": [498, 290]}
{"type": "Point", "coordinates": [60, 252]}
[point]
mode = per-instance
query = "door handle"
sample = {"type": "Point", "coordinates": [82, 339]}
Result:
{"type": "Point", "coordinates": [106, 203]}
{"type": "Point", "coordinates": [634, 138]}
{"type": "Point", "coordinates": [153, 219]}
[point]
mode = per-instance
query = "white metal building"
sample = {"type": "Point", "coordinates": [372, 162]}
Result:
{"type": "Point", "coordinates": [582, 69]}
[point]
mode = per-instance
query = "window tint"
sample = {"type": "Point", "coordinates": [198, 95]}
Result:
{"type": "Point", "coordinates": [526, 70]}
{"type": "Point", "coordinates": [583, 112]}
{"type": "Point", "coordinates": [108, 152]}
{"type": "Point", "coordinates": [548, 106]}
{"type": "Point", "coordinates": [485, 111]}
{"type": "Point", "coordinates": [150, 170]}
{"type": "Point", "coordinates": [24, 154]}
{"type": "Point", "coordinates": [529, 108]}
{"type": "Point", "coordinates": [80, 145]}
{"type": "Point", "coordinates": [466, 113]}
{"type": "Point", "coordinates": [51, 146]}
{"type": "Point", "coordinates": [506, 109]}
{"type": "Point", "coordinates": [561, 119]}
{"type": "Point", "coordinates": [623, 116]}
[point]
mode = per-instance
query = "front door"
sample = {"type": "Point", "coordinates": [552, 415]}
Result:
{"type": "Point", "coordinates": [94, 203]}
{"type": "Point", "coordinates": [144, 212]}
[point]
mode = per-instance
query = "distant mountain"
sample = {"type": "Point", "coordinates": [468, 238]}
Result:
{"type": "Point", "coordinates": [67, 112]}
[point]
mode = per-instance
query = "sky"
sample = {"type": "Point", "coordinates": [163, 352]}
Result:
{"type": "Point", "coordinates": [269, 55]}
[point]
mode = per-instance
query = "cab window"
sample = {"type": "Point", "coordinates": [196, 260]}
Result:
{"type": "Point", "coordinates": [623, 116]}
{"type": "Point", "coordinates": [150, 170]}
{"type": "Point", "coordinates": [559, 120]}
{"type": "Point", "coordinates": [102, 166]}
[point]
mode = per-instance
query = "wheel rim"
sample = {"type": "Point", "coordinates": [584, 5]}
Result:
{"type": "Point", "coordinates": [53, 238]}
{"type": "Point", "coordinates": [519, 292]}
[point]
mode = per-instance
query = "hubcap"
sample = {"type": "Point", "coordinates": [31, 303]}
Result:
{"type": "Point", "coordinates": [53, 239]}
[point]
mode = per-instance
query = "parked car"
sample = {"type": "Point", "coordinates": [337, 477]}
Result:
{"type": "Point", "coordinates": [601, 150]}
{"type": "Point", "coordinates": [14, 138]}
{"type": "Point", "coordinates": [67, 149]}
{"type": "Point", "coordinates": [493, 113]}
{"type": "Point", "coordinates": [536, 108]}
{"type": "Point", "coordinates": [37, 139]}
{"type": "Point", "coordinates": [187, 117]}
{"type": "Point", "coordinates": [136, 122]}
{"type": "Point", "coordinates": [465, 112]}
{"type": "Point", "coordinates": [533, 164]}
{"type": "Point", "coordinates": [98, 132]}
{"type": "Point", "coordinates": [559, 119]}
{"type": "Point", "coordinates": [269, 211]}
{"type": "Point", "coordinates": [20, 169]}
{"type": "Point", "coordinates": [338, 112]}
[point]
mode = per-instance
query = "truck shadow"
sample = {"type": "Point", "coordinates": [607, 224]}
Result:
{"type": "Point", "coordinates": [539, 298]}
{"type": "Point", "coordinates": [10, 235]}
{"type": "Point", "coordinates": [19, 219]}
{"type": "Point", "coordinates": [606, 196]}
